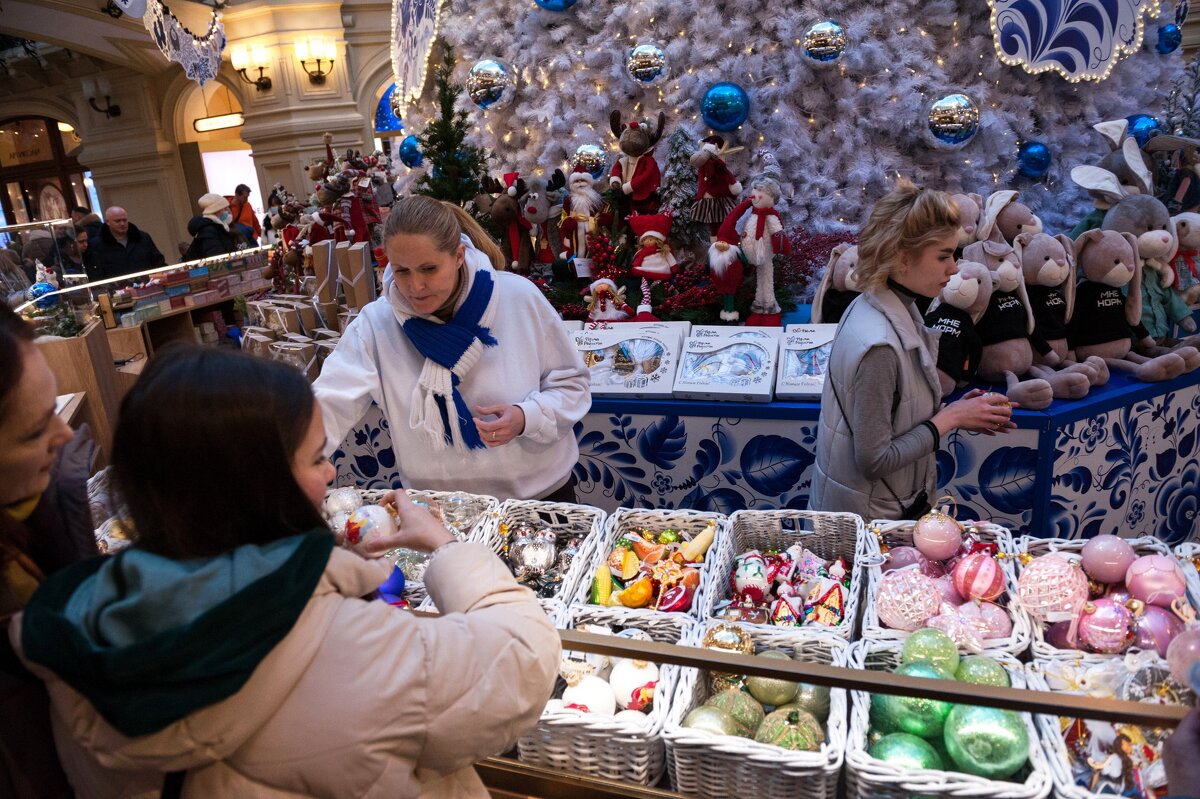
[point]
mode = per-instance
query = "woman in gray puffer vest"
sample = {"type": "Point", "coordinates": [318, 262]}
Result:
{"type": "Point", "coordinates": [882, 418]}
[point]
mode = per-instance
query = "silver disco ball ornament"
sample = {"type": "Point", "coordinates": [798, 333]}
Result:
{"type": "Point", "coordinates": [647, 64]}
{"type": "Point", "coordinates": [825, 42]}
{"type": "Point", "coordinates": [953, 120]}
{"type": "Point", "coordinates": [592, 158]}
{"type": "Point", "coordinates": [491, 84]}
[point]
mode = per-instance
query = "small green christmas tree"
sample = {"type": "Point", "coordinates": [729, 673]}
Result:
{"type": "Point", "coordinates": [456, 167]}
{"type": "Point", "coordinates": [1181, 110]}
{"type": "Point", "coordinates": [678, 191]}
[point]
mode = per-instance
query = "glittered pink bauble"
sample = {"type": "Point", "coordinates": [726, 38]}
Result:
{"type": "Point", "coordinates": [900, 557]}
{"type": "Point", "coordinates": [1051, 586]}
{"type": "Point", "coordinates": [992, 620]}
{"type": "Point", "coordinates": [963, 630]}
{"type": "Point", "coordinates": [906, 599]}
{"type": "Point", "coordinates": [1105, 626]}
{"type": "Point", "coordinates": [1183, 653]}
{"type": "Point", "coordinates": [1156, 580]}
{"type": "Point", "coordinates": [1058, 635]}
{"type": "Point", "coordinates": [1155, 629]}
{"type": "Point", "coordinates": [945, 585]}
{"type": "Point", "coordinates": [937, 535]}
{"type": "Point", "coordinates": [979, 576]}
{"type": "Point", "coordinates": [1107, 557]}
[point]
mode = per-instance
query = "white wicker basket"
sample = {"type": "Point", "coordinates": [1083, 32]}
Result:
{"type": "Point", "coordinates": [869, 778]}
{"type": "Point", "coordinates": [1050, 728]}
{"type": "Point", "coordinates": [600, 746]}
{"type": "Point", "coordinates": [830, 535]}
{"type": "Point", "coordinates": [730, 767]}
{"type": "Point", "coordinates": [672, 624]}
{"type": "Point", "coordinates": [1034, 546]}
{"type": "Point", "coordinates": [1188, 556]}
{"type": "Point", "coordinates": [414, 591]}
{"type": "Point", "coordinates": [1014, 644]}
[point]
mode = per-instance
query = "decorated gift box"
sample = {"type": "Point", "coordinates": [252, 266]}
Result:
{"type": "Point", "coordinates": [629, 361]}
{"type": "Point", "coordinates": [683, 329]}
{"type": "Point", "coordinates": [726, 368]}
{"type": "Point", "coordinates": [803, 361]}
{"type": "Point", "coordinates": [572, 325]}
{"type": "Point", "coordinates": [733, 331]}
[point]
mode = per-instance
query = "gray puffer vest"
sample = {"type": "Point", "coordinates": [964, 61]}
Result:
{"type": "Point", "coordinates": [875, 318]}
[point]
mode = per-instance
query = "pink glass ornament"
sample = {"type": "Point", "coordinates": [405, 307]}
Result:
{"type": "Point", "coordinates": [905, 599]}
{"type": "Point", "coordinates": [1052, 586]}
{"type": "Point", "coordinates": [945, 585]}
{"type": "Point", "coordinates": [1105, 626]}
{"type": "Point", "coordinates": [900, 557]}
{"type": "Point", "coordinates": [1183, 653]}
{"type": "Point", "coordinates": [1118, 593]}
{"type": "Point", "coordinates": [1156, 580]}
{"type": "Point", "coordinates": [979, 576]}
{"type": "Point", "coordinates": [937, 535]}
{"type": "Point", "coordinates": [1107, 557]}
{"type": "Point", "coordinates": [1058, 635]}
{"type": "Point", "coordinates": [1155, 628]}
{"type": "Point", "coordinates": [963, 630]}
{"type": "Point", "coordinates": [996, 621]}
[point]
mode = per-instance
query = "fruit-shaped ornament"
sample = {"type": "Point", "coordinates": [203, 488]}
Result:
{"type": "Point", "coordinates": [772, 690]}
{"type": "Point", "coordinates": [986, 741]}
{"type": "Point", "coordinates": [633, 682]}
{"type": "Point", "coordinates": [937, 535]}
{"type": "Point", "coordinates": [368, 524]}
{"type": "Point", "coordinates": [1052, 587]}
{"type": "Point", "coordinates": [710, 719]}
{"type": "Point", "coordinates": [1156, 580]}
{"type": "Point", "coordinates": [791, 729]}
{"type": "Point", "coordinates": [726, 638]}
{"type": "Point", "coordinates": [905, 599]}
{"type": "Point", "coordinates": [747, 714]}
{"type": "Point", "coordinates": [1106, 558]}
{"type": "Point", "coordinates": [749, 578]}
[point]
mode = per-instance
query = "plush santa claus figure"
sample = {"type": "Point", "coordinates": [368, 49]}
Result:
{"type": "Point", "coordinates": [716, 187]}
{"type": "Point", "coordinates": [760, 239]}
{"type": "Point", "coordinates": [584, 212]}
{"type": "Point", "coordinates": [654, 260]}
{"type": "Point", "coordinates": [605, 302]}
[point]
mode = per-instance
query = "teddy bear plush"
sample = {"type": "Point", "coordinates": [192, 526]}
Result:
{"type": "Point", "coordinates": [955, 314]}
{"type": "Point", "coordinates": [1048, 266]}
{"type": "Point", "coordinates": [636, 172]}
{"type": "Point", "coordinates": [838, 286]}
{"type": "Point", "coordinates": [1187, 257]}
{"type": "Point", "coordinates": [1005, 217]}
{"type": "Point", "coordinates": [1106, 319]}
{"type": "Point", "coordinates": [970, 212]}
{"type": "Point", "coordinates": [1005, 327]}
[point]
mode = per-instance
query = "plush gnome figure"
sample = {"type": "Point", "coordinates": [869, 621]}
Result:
{"type": "Point", "coordinates": [760, 240]}
{"type": "Point", "coordinates": [717, 189]}
{"type": "Point", "coordinates": [653, 261]}
{"type": "Point", "coordinates": [605, 302]}
{"type": "Point", "coordinates": [583, 213]}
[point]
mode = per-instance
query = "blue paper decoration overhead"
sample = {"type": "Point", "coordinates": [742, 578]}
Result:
{"type": "Point", "coordinates": [200, 56]}
{"type": "Point", "coordinates": [1142, 127]}
{"type": "Point", "coordinates": [386, 120]}
{"type": "Point", "coordinates": [725, 106]}
{"type": "Point", "coordinates": [414, 27]}
{"type": "Point", "coordinates": [1033, 159]}
{"type": "Point", "coordinates": [410, 152]}
{"type": "Point", "coordinates": [1169, 39]}
{"type": "Point", "coordinates": [1079, 39]}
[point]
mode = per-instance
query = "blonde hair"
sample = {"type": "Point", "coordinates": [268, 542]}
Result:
{"type": "Point", "coordinates": [903, 222]}
{"type": "Point", "coordinates": [442, 223]}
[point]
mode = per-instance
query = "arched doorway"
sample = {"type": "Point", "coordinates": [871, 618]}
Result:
{"type": "Point", "coordinates": [208, 123]}
{"type": "Point", "coordinates": [41, 177]}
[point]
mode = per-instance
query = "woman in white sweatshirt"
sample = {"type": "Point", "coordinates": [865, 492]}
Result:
{"type": "Point", "coordinates": [471, 366]}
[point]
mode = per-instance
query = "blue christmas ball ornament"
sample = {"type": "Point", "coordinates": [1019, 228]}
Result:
{"type": "Point", "coordinates": [1142, 127]}
{"type": "Point", "coordinates": [554, 5]}
{"type": "Point", "coordinates": [953, 119]}
{"type": "Point", "coordinates": [37, 294]}
{"type": "Point", "coordinates": [410, 152]}
{"type": "Point", "coordinates": [392, 589]}
{"type": "Point", "coordinates": [1169, 39]}
{"type": "Point", "coordinates": [725, 106]}
{"type": "Point", "coordinates": [1033, 159]}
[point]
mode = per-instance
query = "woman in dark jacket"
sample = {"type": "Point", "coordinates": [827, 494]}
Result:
{"type": "Point", "coordinates": [211, 233]}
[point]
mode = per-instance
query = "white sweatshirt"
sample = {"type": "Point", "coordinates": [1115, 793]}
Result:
{"type": "Point", "coordinates": [534, 366]}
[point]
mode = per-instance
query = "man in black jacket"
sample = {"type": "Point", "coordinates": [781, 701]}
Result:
{"type": "Point", "coordinates": [120, 248]}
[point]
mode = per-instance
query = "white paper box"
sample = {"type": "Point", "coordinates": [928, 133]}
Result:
{"type": "Point", "coordinates": [803, 358]}
{"type": "Point", "coordinates": [740, 368]}
{"type": "Point", "coordinates": [736, 331]}
{"type": "Point", "coordinates": [630, 362]}
{"type": "Point", "coordinates": [572, 325]}
{"type": "Point", "coordinates": [684, 329]}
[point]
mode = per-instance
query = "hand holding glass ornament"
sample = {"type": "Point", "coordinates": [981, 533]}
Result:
{"type": "Point", "coordinates": [416, 527]}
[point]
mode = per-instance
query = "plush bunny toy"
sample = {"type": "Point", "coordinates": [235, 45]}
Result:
{"type": "Point", "coordinates": [1005, 217]}
{"type": "Point", "coordinates": [1048, 264]}
{"type": "Point", "coordinates": [838, 286]}
{"type": "Point", "coordinates": [1005, 327]}
{"type": "Point", "coordinates": [1121, 173]}
{"type": "Point", "coordinates": [955, 314]}
{"type": "Point", "coordinates": [1105, 319]}
{"type": "Point", "coordinates": [970, 212]}
{"type": "Point", "coordinates": [1187, 257]}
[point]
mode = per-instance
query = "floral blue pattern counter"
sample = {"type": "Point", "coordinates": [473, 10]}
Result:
{"type": "Point", "coordinates": [1126, 460]}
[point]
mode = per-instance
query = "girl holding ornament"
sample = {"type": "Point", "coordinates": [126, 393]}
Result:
{"type": "Point", "coordinates": [470, 365]}
{"type": "Point", "coordinates": [881, 414]}
{"type": "Point", "coordinates": [228, 652]}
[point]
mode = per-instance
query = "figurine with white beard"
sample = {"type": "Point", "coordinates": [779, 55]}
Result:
{"type": "Point", "coordinates": [754, 230]}
{"type": "Point", "coordinates": [583, 213]}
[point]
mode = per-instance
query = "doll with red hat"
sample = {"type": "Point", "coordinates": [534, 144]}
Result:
{"type": "Point", "coordinates": [716, 187]}
{"type": "Point", "coordinates": [584, 212]}
{"type": "Point", "coordinates": [606, 302]}
{"type": "Point", "coordinates": [760, 239]}
{"type": "Point", "coordinates": [653, 260]}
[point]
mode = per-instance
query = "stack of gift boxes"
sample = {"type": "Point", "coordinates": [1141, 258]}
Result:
{"type": "Point", "coordinates": [174, 289]}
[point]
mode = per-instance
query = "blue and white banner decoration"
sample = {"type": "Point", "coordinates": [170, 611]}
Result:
{"type": "Point", "coordinates": [200, 56]}
{"type": "Point", "coordinates": [1078, 39]}
{"type": "Point", "coordinates": [134, 8]}
{"type": "Point", "coordinates": [1181, 12]}
{"type": "Point", "coordinates": [414, 27]}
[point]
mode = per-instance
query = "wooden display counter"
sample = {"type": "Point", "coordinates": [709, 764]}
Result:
{"type": "Point", "coordinates": [85, 364]}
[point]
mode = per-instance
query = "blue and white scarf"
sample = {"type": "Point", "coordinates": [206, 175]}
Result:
{"type": "Point", "coordinates": [451, 349]}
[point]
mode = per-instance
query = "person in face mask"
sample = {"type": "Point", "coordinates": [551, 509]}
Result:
{"type": "Point", "coordinates": [211, 231]}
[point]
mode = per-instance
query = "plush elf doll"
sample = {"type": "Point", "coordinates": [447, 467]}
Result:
{"type": "Point", "coordinates": [716, 187]}
{"type": "Point", "coordinates": [760, 240]}
{"type": "Point", "coordinates": [654, 260]}
{"type": "Point", "coordinates": [605, 302]}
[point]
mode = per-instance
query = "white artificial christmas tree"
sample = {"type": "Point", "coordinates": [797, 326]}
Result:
{"type": "Point", "coordinates": [841, 132]}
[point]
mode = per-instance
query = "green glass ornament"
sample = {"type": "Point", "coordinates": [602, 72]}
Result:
{"type": "Point", "coordinates": [710, 719]}
{"type": "Point", "coordinates": [769, 690]}
{"type": "Point", "coordinates": [982, 670]}
{"type": "Point", "coordinates": [906, 751]}
{"type": "Point", "coordinates": [933, 647]}
{"type": "Point", "coordinates": [986, 741]}
{"type": "Point", "coordinates": [791, 729]}
{"type": "Point", "coordinates": [922, 717]}
{"type": "Point", "coordinates": [813, 698]}
{"type": "Point", "coordinates": [741, 707]}
{"type": "Point", "coordinates": [873, 737]}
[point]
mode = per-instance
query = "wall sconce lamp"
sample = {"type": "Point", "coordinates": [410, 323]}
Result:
{"type": "Point", "coordinates": [318, 51]}
{"type": "Point", "coordinates": [98, 87]}
{"type": "Point", "coordinates": [243, 58]}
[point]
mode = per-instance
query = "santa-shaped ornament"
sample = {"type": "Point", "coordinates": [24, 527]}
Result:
{"type": "Point", "coordinates": [653, 262]}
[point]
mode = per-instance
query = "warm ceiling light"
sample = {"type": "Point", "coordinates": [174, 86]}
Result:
{"type": "Point", "coordinates": [66, 127]}
{"type": "Point", "coordinates": [207, 124]}
{"type": "Point", "coordinates": [239, 58]}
